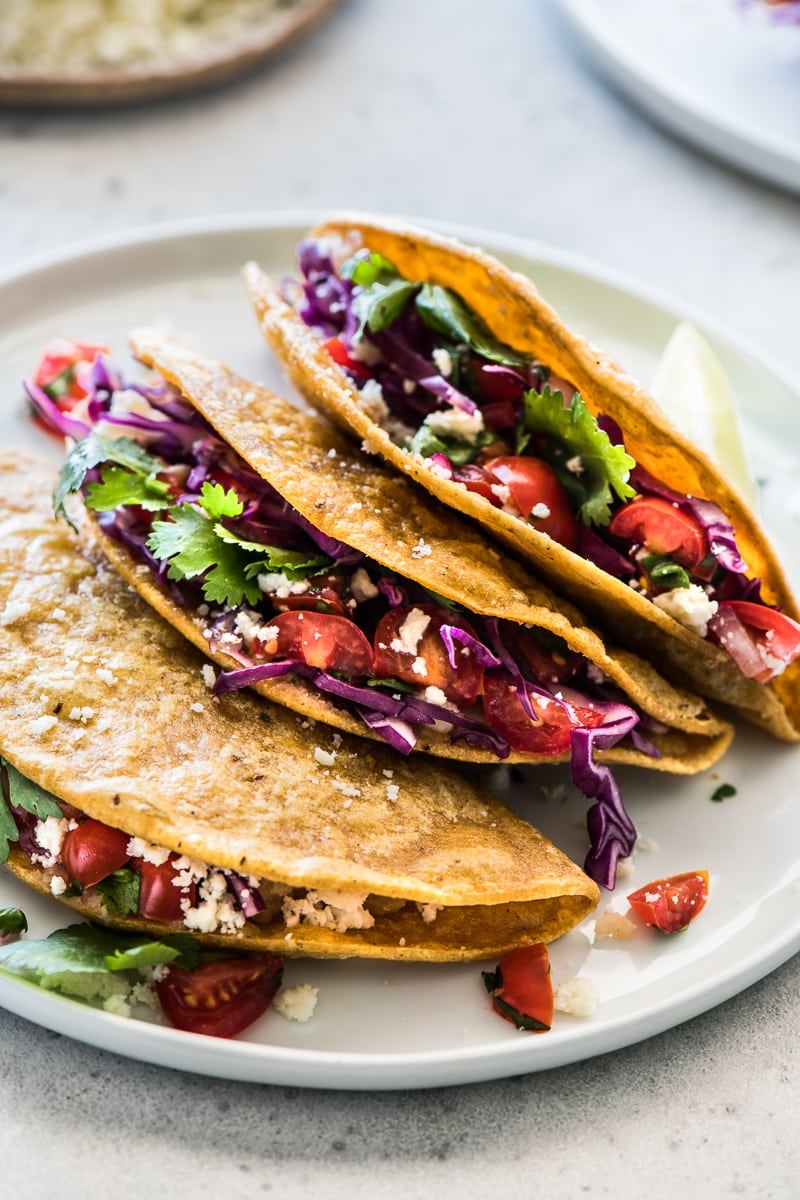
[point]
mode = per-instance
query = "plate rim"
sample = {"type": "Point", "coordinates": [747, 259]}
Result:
{"type": "Point", "coordinates": [347, 1070]}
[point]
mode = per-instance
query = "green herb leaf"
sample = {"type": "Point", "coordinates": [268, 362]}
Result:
{"type": "Point", "coordinates": [119, 486]}
{"type": "Point", "coordinates": [12, 922]}
{"type": "Point", "coordinates": [89, 453]}
{"type": "Point", "coordinates": [367, 269]}
{"type": "Point", "coordinates": [218, 502]}
{"type": "Point", "coordinates": [605, 468]}
{"type": "Point", "coordinates": [392, 685]}
{"type": "Point", "coordinates": [426, 443]}
{"type": "Point", "coordinates": [665, 572]}
{"type": "Point", "coordinates": [120, 892]}
{"type": "Point", "coordinates": [445, 311]}
{"type": "Point", "coordinates": [180, 948]}
{"type": "Point", "coordinates": [379, 306]}
{"type": "Point", "coordinates": [294, 564]}
{"type": "Point", "coordinates": [723, 792]}
{"type": "Point", "coordinates": [23, 793]}
{"type": "Point", "coordinates": [190, 544]}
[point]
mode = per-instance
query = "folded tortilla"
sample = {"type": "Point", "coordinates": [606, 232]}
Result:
{"type": "Point", "coordinates": [353, 499]}
{"type": "Point", "coordinates": [104, 705]}
{"type": "Point", "coordinates": [515, 313]}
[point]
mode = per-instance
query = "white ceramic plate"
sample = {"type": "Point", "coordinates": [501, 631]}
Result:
{"type": "Point", "coordinates": [387, 1026]}
{"type": "Point", "coordinates": [725, 79]}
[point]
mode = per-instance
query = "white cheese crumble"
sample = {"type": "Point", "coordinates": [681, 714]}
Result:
{"type": "Point", "coordinates": [690, 607]}
{"type": "Point", "coordinates": [296, 1003]}
{"type": "Point", "coordinates": [501, 491]}
{"type": "Point", "coordinates": [410, 633]}
{"type": "Point", "coordinates": [437, 469]}
{"type": "Point", "coordinates": [443, 361]}
{"type": "Point", "coordinates": [612, 925]}
{"type": "Point", "coordinates": [81, 714]}
{"type": "Point", "coordinates": [106, 676]}
{"type": "Point", "coordinates": [139, 848]}
{"type": "Point", "coordinates": [418, 666]}
{"type": "Point", "coordinates": [540, 511]}
{"type": "Point", "coordinates": [579, 997]}
{"type": "Point", "coordinates": [575, 465]}
{"type": "Point", "coordinates": [215, 908]}
{"type": "Point", "coordinates": [434, 695]}
{"type": "Point", "coordinates": [372, 401]}
{"type": "Point", "coordinates": [50, 834]}
{"type": "Point", "coordinates": [338, 911]}
{"type": "Point", "coordinates": [421, 550]}
{"type": "Point", "coordinates": [362, 587]}
{"type": "Point", "coordinates": [275, 582]}
{"type": "Point", "coordinates": [41, 725]}
{"type": "Point", "coordinates": [209, 675]}
{"type": "Point", "coordinates": [58, 885]}
{"type": "Point", "coordinates": [13, 610]}
{"type": "Point", "coordinates": [197, 707]}
{"type": "Point", "coordinates": [392, 792]}
{"type": "Point", "coordinates": [455, 423]}
{"type": "Point", "coordinates": [324, 757]}
{"type": "Point", "coordinates": [429, 912]}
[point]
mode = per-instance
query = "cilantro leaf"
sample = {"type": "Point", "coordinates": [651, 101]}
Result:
{"type": "Point", "coordinates": [189, 542]}
{"type": "Point", "coordinates": [119, 486]}
{"type": "Point", "coordinates": [665, 572]}
{"type": "Point", "coordinates": [120, 892]}
{"type": "Point", "coordinates": [12, 922]}
{"type": "Point", "coordinates": [379, 306]}
{"type": "Point", "coordinates": [723, 792]}
{"type": "Point", "coordinates": [367, 269]}
{"type": "Point", "coordinates": [22, 793]}
{"type": "Point", "coordinates": [180, 948]}
{"type": "Point", "coordinates": [218, 502]}
{"type": "Point", "coordinates": [604, 467]}
{"type": "Point", "coordinates": [295, 564]}
{"type": "Point", "coordinates": [445, 311]}
{"type": "Point", "coordinates": [91, 452]}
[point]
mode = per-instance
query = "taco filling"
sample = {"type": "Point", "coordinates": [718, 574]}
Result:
{"type": "Point", "coordinates": [504, 426]}
{"type": "Point", "coordinates": [280, 598]}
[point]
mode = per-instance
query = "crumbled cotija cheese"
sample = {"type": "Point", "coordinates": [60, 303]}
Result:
{"type": "Point", "coordinates": [13, 610]}
{"type": "Point", "coordinates": [409, 635]}
{"type": "Point", "coordinates": [296, 1003]}
{"type": "Point", "coordinates": [323, 757]}
{"type": "Point", "coordinates": [47, 34]}
{"type": "Point", "coordinates": [690, 607]}
{"type": "Point", "coordinates": [579, 997]}
{"type": "Point", "coordinates": [456, 423]}
{"type": "Point", "coordinates": [339, 911]}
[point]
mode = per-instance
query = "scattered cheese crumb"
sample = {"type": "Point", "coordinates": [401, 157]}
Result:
{"type": "Point", "coordinates": [410, 633]}
{"type": "Point", "coordinates": [209, 676]}
{"type": "Point", "coordinates": [139, 848]}
{"type": "Point", "coordinates": [58, 885]}
{"type": "Point", "coordinates": [296, 1003]}
{"type": "Point", "coordinates": [362, 586]}
{"type": "Point", "coordinates": [323, 757]}
{"type": "Point", "coordinates": [540, 511]}
{"type": "Point", "coordinates": [81, 714]}
{"type": "Point", "coordinates": [456, 423]}
{"type": "Point", "coordinates": [444, 362]}
{"type": "Point", "coordinates": [579, 997]}
{"type": "Point", "coordinates": [197, 707]}
{"type": "Point", "coordinates": [106, 676]}
{"type": "Point", "coordinates": [690, 607]}
{"type": "Point", "coordinates": [613, 926]}
{"type": "Point", "coordinates": [421, 550]}
{"type": "Point", "coordinates": [392, 791]}
{"type": "Point", "coordinates": [429, 912]}
{"type": "Point", "coordinates": [13, 610]}
{"type": "Point", "coordinates": [41, 725]}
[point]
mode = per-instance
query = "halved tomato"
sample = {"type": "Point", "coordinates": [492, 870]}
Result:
{"type": "Point", "coordinates": [521, 989]}
{"type": "Point", "coordinates": [549, 735]}
{"type": "Point", "coordinates": [322, 640]}
{"type": "Point", "coordinates": [475, 479]}
{"type": "Point", "coordinates": [342, 356]}
{"type": "Point", "coordinates": [159, 898]}
{"type": "Point", "coordinates": [662, 527]}
{"type": "Point", "coordinates": [220, 998]}
{"type": "Point", "coordinates": [58, 369]}
{"type": "Point", "coordinates": [462, 684]}
{"type": "Point", "coordinates": [93, 851]}
{"type": "Point", "coordinates": [532, 483]}
{"type": "Point", "coordinates": [671, 903]}
{"type": "Point", "coordinates": [781, 635]}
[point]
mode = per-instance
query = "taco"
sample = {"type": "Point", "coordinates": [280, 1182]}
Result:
{"type": "Point", "coordinates": [140, 801]}
{"type": "Point", "coordinates": [456, 371]}
{"type": "Point", "coordinates": [336, 588]}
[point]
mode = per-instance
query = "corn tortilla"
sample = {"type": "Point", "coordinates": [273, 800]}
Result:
{"type": "Point", "coordinates": [515, 313]}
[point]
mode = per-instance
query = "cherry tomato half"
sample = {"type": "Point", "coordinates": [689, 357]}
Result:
{"type": "Point", "coordinates": [222, 997]}
{"type": "Point", "coordinates": [671, 903]}
{"type": "Point", "coordinates": [662, 527]}
{"type": "Point", "coordinates": [531, 482]}
{"type": "Point", "coordinates": [462, 684]}
{"type": "Point", "coordinates": [342, 356]}
{"type": "Point", "coordinates": [521, 989]}
{"type": "Point", "coordinates": [781, 640]}
{"type": "Point", "coordinates": [322, 640]}
{"type": "Point", "coordinates": [57, 370]}
{"type": "Point", "coordinates": [551, 735]}
{"type": "Point", "coordinates": [93, 851]}
{"type": "Point", "coordinates": [475, 479]}
{"type": "Point", "coordinates": [159, 898]}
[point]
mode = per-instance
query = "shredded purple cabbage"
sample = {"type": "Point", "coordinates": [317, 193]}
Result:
{"type": "Point", "coordinates": [248, 898]}
{"type": "Point", "coordinates": [718, 529]}
{"type": "Point", "coordinates": [450, 634]}
{"type": "Point", "coordinates": [593, 548]}
{"type": "Point", "coordinates": [612, 834]}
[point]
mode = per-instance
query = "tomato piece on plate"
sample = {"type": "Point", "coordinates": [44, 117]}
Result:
{"type": "Point", "coordinates": [521, 989]}
{"type": "Point", "coordinates": [322, 640]}
{"type": "Point", "coordinates": [475, 479]}
{"type": "Point", "coordinates": [342, 356]}
{"type": "Point", "coordinates": [159, 898]}
{"type": "Point", "coordinates": [58, 370]}
{"type": "Point", "coordinates": [426, 652]}
{"type": "Point", "coordinates": [671, 903]}
{"type": "Point", "coordinates": [549, 735]}
{"type": "Point", "coordinates": [779, 643]}
{"type": "Point", "coordinates": [532, 483]}
{"type": "Point", "coordinates": [662, 527]}
{"type": "Point", "coordinates": [222, 997]}
{"type": "Point", "coordinates": [93, 851]}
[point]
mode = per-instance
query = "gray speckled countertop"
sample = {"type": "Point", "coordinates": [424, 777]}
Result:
{"type": "Point", "coordinates": [482, 114]}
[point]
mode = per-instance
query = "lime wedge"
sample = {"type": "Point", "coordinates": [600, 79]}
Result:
{"type": "Point", "coordinates": [691, 386]}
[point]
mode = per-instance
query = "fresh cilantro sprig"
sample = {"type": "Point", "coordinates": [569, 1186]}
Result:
{"type": "Point", "coordinates": [444, 310]}
{"type": "Point", "coordinates": [124, 452]}
{"type": "Point", "coordinates": [604, 467]}
{"type": "Point", "coordinates": [119, 892]}
{"type": "Point", "coordinates": [22, 793]}
{"type": "Point", "coordinates": [383, 293]}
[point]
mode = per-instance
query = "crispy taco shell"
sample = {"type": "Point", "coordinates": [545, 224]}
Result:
{"type": "Point", "coordinates": [515, 313]}
{"type": "Point", "coordinates": [104, 705]}
{"type": "Point", "coordinates": [357, 501]}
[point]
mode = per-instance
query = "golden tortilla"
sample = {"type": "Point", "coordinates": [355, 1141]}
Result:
{"type": "Point", "coordinates": [514, 311]}
{"type": "Point", "coordinates": [103, 704]}
{"type": "Point", "coordinates": [359, 502]}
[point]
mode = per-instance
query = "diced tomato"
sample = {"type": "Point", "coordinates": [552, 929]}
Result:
{"type": "Point", "coordinates": [546, 666]}
{"type": "Point", "coordinates": [159, 898]}
{"type": "Point", "coordinates": [58, 371]}
{"type": "Point", "coordinates": [662, 527]}
{"type": "Point", "coordinates": [462, 684]}
{"type": "Point", "coordinates": [550, 735]}
{"type": "Point", "coordinates": [781, 635]}
{"type": "Point", "coordinates": [671, 903]}
{"type": "Point", "coordinates": [341, 355]}
{"type": "Point", "coordinates": [222, 997]}
{"type": "Point", "coordinates": [521, 989]}
{"type": "Point", "coordinates": [93, 851]}
{"type": "Point", "coordinates": [475, 479]}
{"type": "Point", "coordinates": [532, 482]}
{"type": "Point", "coordinates": [322, 640]}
